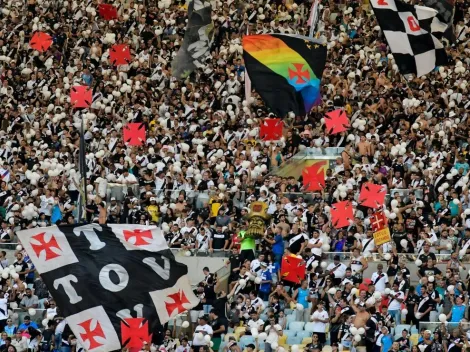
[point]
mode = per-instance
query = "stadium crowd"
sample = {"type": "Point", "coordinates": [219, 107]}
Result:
{"type": "Point", "coordinates": [203, 164]}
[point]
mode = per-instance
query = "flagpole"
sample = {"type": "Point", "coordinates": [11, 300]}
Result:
{"type": "Point", "coordinates": [313, 18]}
{"type": "Point", "coordinates": [247, 78]}
{"type": "Point", "coordinates": [82, 164]}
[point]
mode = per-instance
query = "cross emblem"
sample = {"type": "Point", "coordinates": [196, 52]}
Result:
{"type": "Point", "coordinates": [179, 298]}
{"type": "Point", "coordinates": [91, 335]}
{"type": "Point", "coordinates": [377, 222]}
{"type": "Point", "coordinates": [138, 237]}
{"type": "Point", "coordinates": [47, 247]}
{"type": "Point", "coordinates": [299, 73]}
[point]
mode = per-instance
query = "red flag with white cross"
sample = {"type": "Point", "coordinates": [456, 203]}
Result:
{"type": "Point", "coordinates": [378, 221]}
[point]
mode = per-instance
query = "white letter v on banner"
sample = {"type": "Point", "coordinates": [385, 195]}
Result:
{"type": "Point", "coordinates": [164, 273]}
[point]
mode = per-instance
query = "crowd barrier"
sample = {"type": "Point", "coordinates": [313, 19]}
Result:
{"type": "Point", "coordinates": [197, 199]}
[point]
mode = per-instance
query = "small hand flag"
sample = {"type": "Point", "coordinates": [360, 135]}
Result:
{"type": "Point", "coordinates": [134, 134]}
{"type": "Point", "coordinates": [336, 121]}
{"type": "Point", "coordinates": [341, 214]}
{"type": "Point", "coordinates": [108, 12]}
{"type": "Point", "coordinates": [81, 97]}
{"type": "Point", "coordinates": [314, 176]}
{"type": "Point", "coordinates": [372, 195]}
{"type": "Point", "coordinates": [119, 54]}
{"type": "Point", "coordinates": [293, 269]}
{"type": "Point", "coordinates": [40, 41]}
{"type": "Point", "coordinates": [271, 129]}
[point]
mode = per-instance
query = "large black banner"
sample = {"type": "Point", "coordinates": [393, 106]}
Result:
{"type": "Point", "coordinates": [115, 284]}
{"type": "Point", "coordinates": [197, 39]}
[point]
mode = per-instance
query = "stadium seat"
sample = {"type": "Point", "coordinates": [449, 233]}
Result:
{"type": "Point", "coordinates": [289, 333]}
{"type": "Point", "coordinates": [246, 340]}
{"type": "Point", "coordinates": [282, 340]}
{"type": "Point", "coordinates": [261, 345]}
{"type": "Point", "coordinates": [309, 327]}
{"type": "Point", "coordinates": [296, 325]}
{"type": "Point", "coordinates": [414, 339]}
{"type": "Point", "coordinates": [414, 330]}
{"type": "Point", "coordinates": [290, 319]}
{"type": "Point", "coordinates": [304, 334]}
{"type": "Point", "coordinates": [306, 340]}
{"type": "Point", "coordinates": [288, 311]}
{"type": "Point", "coordinates": [240, 330]}
{"type": "Point", "coordinates": [294, 340]}
{"type": "Point", "coordinates": [263, 317]}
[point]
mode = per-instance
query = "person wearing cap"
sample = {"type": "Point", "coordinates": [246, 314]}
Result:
{"type": "Point", "coordinates": [336, 270]}
{"type": "Point", "coordinates": [204, 329]}
{"type": "Point", "coordinates": [427, 342]}
{"type": "Point", "coordinates": [384, 340]}
{"type": "Point", "coordinates": [362, 315]}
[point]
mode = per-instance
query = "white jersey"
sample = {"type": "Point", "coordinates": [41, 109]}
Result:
{"type": "Point", "coordinates": [356, 265]}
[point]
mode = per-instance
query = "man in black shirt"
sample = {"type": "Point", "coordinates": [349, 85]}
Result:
{"type": "Point", "coordinates": [234, 262]}
{"type": "Point", "coordinates": [429, 269]}
{"type": "Point", "coordinates": [219, 242]}
{"type": "Point", "coordinates": [411, 302]}
{"type": "Point", "coordinates": [426, 255]}
{"type": "Point", "coordinates": [424, 307]}
{"type": "Point", "coordinates": [219, 326]}
{"type": "Point", "coordinates": [404, 341]}
{"type": "Point", "coordinates": [24, 266]}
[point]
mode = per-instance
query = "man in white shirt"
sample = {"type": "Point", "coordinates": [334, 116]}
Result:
{"type": "Point", "coordinates": [337, 270]}
{"type": "Point", "coordinates": [255, 265]}
{"type": "Point", "coordinates": [379, 278]}
{"type": "Point", "coordinates": [204, 329]}
{"type": "Point", "coordinates": [394, 307]}
{"type": "Point", "coordinates": [126, 178]}
{"type": "Point", "coordinates": [320, 319]}
{"type": "Point", "coordinates": [254, 323]}
{"type": "Point", "coordinates": [184, 347]}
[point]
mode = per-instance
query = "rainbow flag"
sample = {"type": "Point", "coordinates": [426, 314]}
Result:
{"type": "Point", "coordinates": [285, 70]}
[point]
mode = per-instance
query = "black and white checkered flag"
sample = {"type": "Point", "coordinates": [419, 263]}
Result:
{"type": "Point", "coordinates": [115, 284]}
{"type": "Point", "coordinates": [412, 33]}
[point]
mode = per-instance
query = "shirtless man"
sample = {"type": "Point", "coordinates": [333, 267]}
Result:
{"type": "Point", "coordinates": [364, 147]}
{"type": "Point", "coordinates": [362, 315]}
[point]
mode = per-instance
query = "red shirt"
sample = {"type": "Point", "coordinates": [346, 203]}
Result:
{"type": "Point", "coordinates": [235, 241]}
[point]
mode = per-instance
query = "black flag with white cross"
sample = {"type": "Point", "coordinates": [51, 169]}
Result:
{"type": "Point", "coordinates": [115, 284]}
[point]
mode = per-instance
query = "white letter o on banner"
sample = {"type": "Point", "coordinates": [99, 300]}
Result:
{"type": "Point", "coordinates": [106, 282]}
